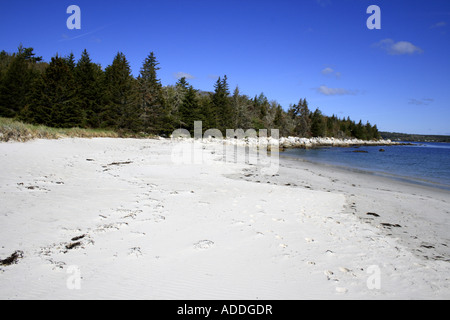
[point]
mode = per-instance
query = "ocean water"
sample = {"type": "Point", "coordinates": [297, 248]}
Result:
{"type": "Point", "coordinates": [422, 163]}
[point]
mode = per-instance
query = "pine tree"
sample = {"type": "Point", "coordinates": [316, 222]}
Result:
{"type": "Point", "coordinates": [53, 100]}
{"type": "Point", "coordinates": [28, 54]}
{"type": "Point", "coordinates": [120, 108]}
{"type": "Point", "coordinates": [12, 88]}
{"type": "Point", "coordinates": [181, 88]}
{"type": "Point", "coordinates": [38, 109]}
{"type": "Point", "coordinates": [88, 77]}
{"type": "Point", "coordinates": [66, 93]}
{"type": "Point", "coordinates": [331, 130]}
{"type": "Point", "coordinates": [206, 112]}
{"type": "Point", "coordinates": [278, 119]}
{"type": "Point", "coordinates": [5, 61]}
{"type": "Point", "coordinates": [16, 81]}
{"type": "Point", "coordinates": [317, 124]}
{"type": "Point", "coordinates": [189, 109]}
{"type": "Point", "coordinates": [375, 133]}
{"type": "Point", "coordinates": [358, 130]}
{"type": "Point", "coordinates": [237, 108]}
{"type": "Point", "coordinates": [152, 108]}
{"type": "Point", "coordinates": [263, 106]}
{"type": "Point", "coordinates": [303, 128]}
{"type": "Point", "coordinates": [70, 60]}
{"type": "Point", "coordinates": [221, 106]}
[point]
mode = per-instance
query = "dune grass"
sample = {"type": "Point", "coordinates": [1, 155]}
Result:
{"type": "Point", "coordinates": [13, 130]}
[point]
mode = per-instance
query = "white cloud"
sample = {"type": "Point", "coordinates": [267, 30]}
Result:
{"type": "Point", "coordinates": [335, 91]}
{"type": "Point", "coordinates": [398, 48]}
{"type": "Point", "coordinates": [180, 75]}
{"type": "Point", "coordinates": [439, 25]}
{"type": "Point", "coordinates": [327, 71]}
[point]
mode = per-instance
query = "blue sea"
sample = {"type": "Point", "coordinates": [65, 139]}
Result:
{"type": "Point", "coordinates": [423, 163]}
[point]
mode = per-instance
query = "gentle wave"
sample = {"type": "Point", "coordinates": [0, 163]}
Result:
{"type": "Point", "coordinates": [423, 163]}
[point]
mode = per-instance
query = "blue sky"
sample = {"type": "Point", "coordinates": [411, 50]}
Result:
{"type": "Point", "coordinates": [397, 77]}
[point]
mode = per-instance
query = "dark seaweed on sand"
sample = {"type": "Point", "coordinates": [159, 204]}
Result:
{"type": "Point", "coordinates": [12, 259]}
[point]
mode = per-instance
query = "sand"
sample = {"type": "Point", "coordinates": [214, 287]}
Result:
{"type": "Point", "coordinates": [118, 219]}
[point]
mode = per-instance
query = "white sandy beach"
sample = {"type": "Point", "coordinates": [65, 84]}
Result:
{"type": "Point", "coordinates": [151, 229]}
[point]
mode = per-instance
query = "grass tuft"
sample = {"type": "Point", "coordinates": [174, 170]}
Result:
{"type": "Point", "coordinates": [13, 130]}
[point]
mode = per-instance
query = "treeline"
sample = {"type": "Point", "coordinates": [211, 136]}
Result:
{"type": "Point", "coordinates": [68, 93]}
{"type": "Point", "coordinates": [395, 136]}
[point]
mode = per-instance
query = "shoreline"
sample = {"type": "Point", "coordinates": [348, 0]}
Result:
{"type": "Point", "coordinates": [392, 176]}
{"type": "Point", "coordinates": [139, 226]}
{"type": "Point", "coordinates": [358, 185]}
{"type": "Point", "coordinates": [362, 187]}
{"type": "Point", "coordinates": [319, 142]}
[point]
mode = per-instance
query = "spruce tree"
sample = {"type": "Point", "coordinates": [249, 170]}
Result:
{"type": "Point", "coordinates": [38, 109]}
{"type": "Point", "coordinates": [120, 109]}
{"type": "Point", "coordinates": [28, 54]}
{"type": "Point", "coordinates": [221, 105]}
{"type": "Point", "coordinates": [70, 60]}
{"type": "Point", "coordinates": [181, 88]}
{"type": "Point", "coordinates": [263, 104]}
{"type": "Point", "coordinates": [375, 133]}
{"type": "Point", "coordinates": [66, 93]}
{"type": "Point", "coordinates": [190, 109]}
{"type": "Point", "coordinates": [89, 93]}
{"type": "Point", "coordinates": [13, 87]}
{"type": "Point", "coordinates": [206, 111]}
{"type": "Point", "coordinates": [152, 108]}
{"type": "Point", "coordinates": [53, 100]}
{"type": "Point", "coordinates": [317, 124]}
{"type": "Point", "coordinates": [238, 107]}
{"type": "Point", "coordinates": [278, 119]}
{"type": "Point", "coordinates": [305, 118]}
{"type": "Point", "coordinates": [16, 81]}
{"type": "Point", "coordinates": [303, 128]}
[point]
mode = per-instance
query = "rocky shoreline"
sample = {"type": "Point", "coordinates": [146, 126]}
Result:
{"type": "Point", "coordinates": [297, 142]}
{"type": "Point", "coordinates": [310, 143]}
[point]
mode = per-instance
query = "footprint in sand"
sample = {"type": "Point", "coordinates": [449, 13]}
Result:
{"type": "Point", "coordinates": [158, 218]}
{"type": "Point", "coordinates": [138, 233]}
{"type": "Point", "coordinates": [135, 252]}
{"type": "Point", "coordinates": [329, 253]}
{"type": "Point", "coordinates": [129, 214]}
{"type": "Point", "coordinates": [328, 274]}
{"type": "Point", "coordinates": [344, 270]}
{"type": "Point", "coordinates": [237, 222]}
{"type": "Point", "coordinates": [341, 290]}
{"type": "Point", "coordinates": [152, 203]}
{"type": "Point", "coordinates": [203, 204]}
{"type": "Point", "coordinates": [154, 218]}
{"type": "Point", "coordinates": [111, 227]}
{"type": "Point", "coordinates": [203, 244]}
